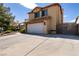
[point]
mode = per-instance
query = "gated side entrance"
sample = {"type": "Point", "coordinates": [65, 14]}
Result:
{"type": "Point", "coordinates": [67, 28]}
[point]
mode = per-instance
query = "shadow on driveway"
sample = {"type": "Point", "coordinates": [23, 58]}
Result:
{"type": "Point", "coordinates": [74, 37]}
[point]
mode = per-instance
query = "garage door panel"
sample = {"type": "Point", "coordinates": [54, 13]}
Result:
{"type": "Point", "coordinates": [35, 28]}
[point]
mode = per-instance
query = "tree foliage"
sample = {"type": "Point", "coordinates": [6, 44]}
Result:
{"type": "Point", "coordinates": [5, 17]}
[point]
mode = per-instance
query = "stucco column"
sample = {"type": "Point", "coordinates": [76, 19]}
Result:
{"type": "Point", "coordinates": [40, 13]}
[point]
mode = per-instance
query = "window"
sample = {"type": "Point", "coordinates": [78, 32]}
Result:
{"type": "Point", "coordinates": [37, 14]}
{"type": "Point", "coordinates": [44, 12]}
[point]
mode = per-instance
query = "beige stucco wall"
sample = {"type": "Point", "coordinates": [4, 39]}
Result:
{"type": "Point", "coordinates": [45, 27]}
{"type": "Point", "coordinates": [60, 16]}
{"type": "Point", "coordinates": [31, 16]}
{"type": "Point", "coordinates": [55, 13]}
{"type": "Point", "coordinates": [52, 13]}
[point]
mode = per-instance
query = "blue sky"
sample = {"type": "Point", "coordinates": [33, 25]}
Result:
{"type": "Point", "coordinates": [71, 10]}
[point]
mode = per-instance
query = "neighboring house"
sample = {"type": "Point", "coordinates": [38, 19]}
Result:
{"type": "Point", "coordinates": [43, 20]}
{"type": "Point", "coordinates": [77, 22]}
{"type": "Point", "coordinates": [22, 25]}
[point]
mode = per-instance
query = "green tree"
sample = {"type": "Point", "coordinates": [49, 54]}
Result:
{"type": "Point", "coordinates": [5, 17]}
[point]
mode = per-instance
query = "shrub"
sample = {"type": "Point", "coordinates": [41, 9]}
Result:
{"type": "Point", "coordinates": [22, 30]}
{"type": "Point", "coordinates": [11, 28]}
{"type": "Point", "coordinates": [8, 31]}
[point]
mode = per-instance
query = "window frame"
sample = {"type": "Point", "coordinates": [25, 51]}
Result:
{"type": "Point", "coordinates": [44, 13]}
{"type": "Point", "coordinates": [37, 14]}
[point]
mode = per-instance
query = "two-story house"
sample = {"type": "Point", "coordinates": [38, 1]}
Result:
{"type": "Point", "coordinates": [43, 20]}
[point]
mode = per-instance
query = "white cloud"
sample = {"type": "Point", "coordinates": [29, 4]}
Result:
{"type": "Point", "coordinates": [65, 16]}
{"type": "Point", "coordinates": [73, 20]}
{"type": "Point", "coordinates": [29, 5]}
{"type": "Point", "coordinates": [69, 21]}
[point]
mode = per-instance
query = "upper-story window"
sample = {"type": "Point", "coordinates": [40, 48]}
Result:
{"type": "Point", "coordinates": [37, 14]}
{"type": "Point", "coordinates": [44, 12]}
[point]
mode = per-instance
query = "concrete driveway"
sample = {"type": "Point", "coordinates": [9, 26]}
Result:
{"type": "Point", "coordinates": [35, 45]}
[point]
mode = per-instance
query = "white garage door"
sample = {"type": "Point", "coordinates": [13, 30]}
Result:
{"type": "Point", "coordinates": [36, 28]}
